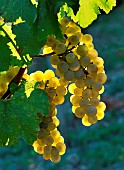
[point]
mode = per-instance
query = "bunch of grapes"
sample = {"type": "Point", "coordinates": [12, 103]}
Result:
{"type": "Point", "coordinates": [5, 78]}
{"type": "Point", "coordinates": [49, 141]}
{"type": "Point", "coordinates": [78, 65]}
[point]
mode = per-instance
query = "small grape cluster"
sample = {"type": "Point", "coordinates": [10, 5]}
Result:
{"type": "Point", "coordinates": [49, 141]}
{"type": "Point", "coordinates": [77, 62]}
{"type": "Point", "coordinates": [5, 78]}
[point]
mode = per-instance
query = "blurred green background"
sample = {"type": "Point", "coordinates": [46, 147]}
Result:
{"type": "Point", "coordinates": [101, 146]}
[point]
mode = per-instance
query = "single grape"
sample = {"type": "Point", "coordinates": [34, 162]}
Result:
{"type": "Point", "coordinates": [64, 21]}
{"type": "Point", "coordinates": [80, 112]}
{"type": "Point", "coordinates": [87, 39]}
{"type": "Point", "coordinates": [91, 110]}
{"type": "Point", "coordinates": [79, 74]}
{"type": "Point", "coordinates": [63, 66]}
{"type": "Point", "coordinates": [69, 75]}
{"type": "Point", "coordinates": [74, 40]}
{"type": "Point", "coordinates": [101, 77]}
{"type": "Point", "coordinates": [49, 74]}
{"type": "Point", "coordinates": [54, 59]}
{"type": "Point", "coordinates": [82, 50]}
{"type": "Point", "coordinates": [85, 61]}
{"type": "Point", "coordinates": [74, 66]}
{"type": "Point", "coordinates": [60, 48]}
{"type": "Point", "coordinates": [70, 57]}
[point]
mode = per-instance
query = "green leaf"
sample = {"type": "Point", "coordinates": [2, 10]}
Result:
{"type": "Point", "coordinates": [89, 10]}
{"type": "Point", "coordinates": [11, 10]}
{"type": "Point", "coordinates": [22, 32]}
{"type": "Point", "coordinates": [47, 22]}
{"type": "Point", "coordinates": [5, 53]}
{"type": "Point", "coordinates": [19, 118]}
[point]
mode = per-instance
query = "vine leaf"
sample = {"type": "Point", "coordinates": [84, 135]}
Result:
{"type": "Point", "coordinates": [11, 10]}
{"type": "Point", "coordinates": [5, 53]}
{"type": "Point", "coordinates": [88, 10]}
{"type": "Point", "coordinates": [19, 118]}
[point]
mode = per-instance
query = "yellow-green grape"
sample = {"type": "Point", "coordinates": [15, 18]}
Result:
{"type": "Point", "coordinates": [100, 69]}
{"type": "Point", "coordinates": [92, 54]}
{"type": "Point", "coordinates": [85, 121]}
{"type": "Point", "coordinates": [58, 100]}
{"type": "Point", "coordinates": [80, 35]}
{"type": "Point", "coordinates": [101, 77]}
{"type": "Point", "coordinates": [51, 40]}
{"type": "Point", "coordinates": [78, 92]}
{"type": "Point", "coordinates": [91, 110]}
{"type": "Point", "coordinates": [64, 21]}
{"type": "Point", "coordinates": [80, 112]}
{"type": "Point", "coordinates": [60, 90]}
{"type": "Point", "coordinates": [70, 31]}
{"type": "Point", "coordinates": [41, 85]}
{"type": "Point", "coordinates": [97, 86]}
{"type": "Point", "coordinates": [101, 106]}
{"type": "Point", "coordinates": [100, 115]}
{"type": "Point", "coordinates": [54, 151]}
{"type": "Point", "coordinates": [84, 102]}
{"type": "Point", "coordinates": [95, 93]}
{"type": "Point", "coordinates": [82, 50]}
{"type": "Point", "coordinates": [87, 39]}
{"type": "Point", "coordinates": [71, 88]}
{"type": "Point", "coordinates": [51, 91]}
{"type": "Point", "coordinates": [85, 61]}
{"type": "Point", "coordinates": [70, 57]}
{"type": "Point", "coordinates": [94, 101]}
{"type": "Point", "coordinates": [92, 119]}
{"type": "Point", "coordinates": [46, 119]}
{"type": "Point", "coordinates": [55, 159]}
{"type": "Point", "coordinates": [58, 73]}
{"type": "Point", "coordinates": [63, 66]}
{"type": "Point", "coordinates": [63, 82]}
{"type": "Point", "coordinates": [74, 26]}
{"type": "Point", "coordinates": [54, 59]}
{"type": "Point", "coordinates": [40, 149]}
{"type": "Point", "coordinates": [69, 75]}
{"type": "Point", "coordinates": [92, 69]}
{"type": "Point", "coordinates": [55, 134]}
{"type": "Point", "coordinates": [102, 90]}
{"type": "Point", "coordinates": [51, 126]}
{"type": "Point", "coordinates": [40, 142]}
{"type": "Point", "coordinates": [59, 139]}
{"type": "Point", "coordinates": [61, 148]}
{"type": "Point", "coordinates": [75, 100]}
{"type": "Point", "coordinates": [56, 121]}
{"type": "Point", "coordinates": [43, 133]}
{"type": "Point", "coordinates": [49, 74]}
{"type": "Point", "coordinates": [74, 108]}
{"type": "Point", "coordinates": [53, 82]}
{"type": "Point", "coordinates": [74, 66]}
{"type": "Point", "coordinates": [73, 40]}
{"type": "Point", "coordinates": [60, 48]}
{"type": "Point", "coordinates": [46, 156]}
{"type": "Point", "coordinates": [35, 145]}
{"type": "Point", "coordinates": [47, 149]}
{"type": "Point", "coordinates": [48, 140]}
{"type": "Point", "coordinates": [79, 74]}
{"type": "Point", "coordinates": [90, 46]}
{"type": "Point", "coordinates": [89, 81]}
{"type": "Point", "coordinates": [87, 93]}
{"type": "Point", "coordinates": [98, 61]}
{"type": "Point", "coordinates": [80, 83]}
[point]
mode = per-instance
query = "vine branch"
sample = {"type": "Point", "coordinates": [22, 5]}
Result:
{"type": "Point", "coordinates": [15, 80]}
